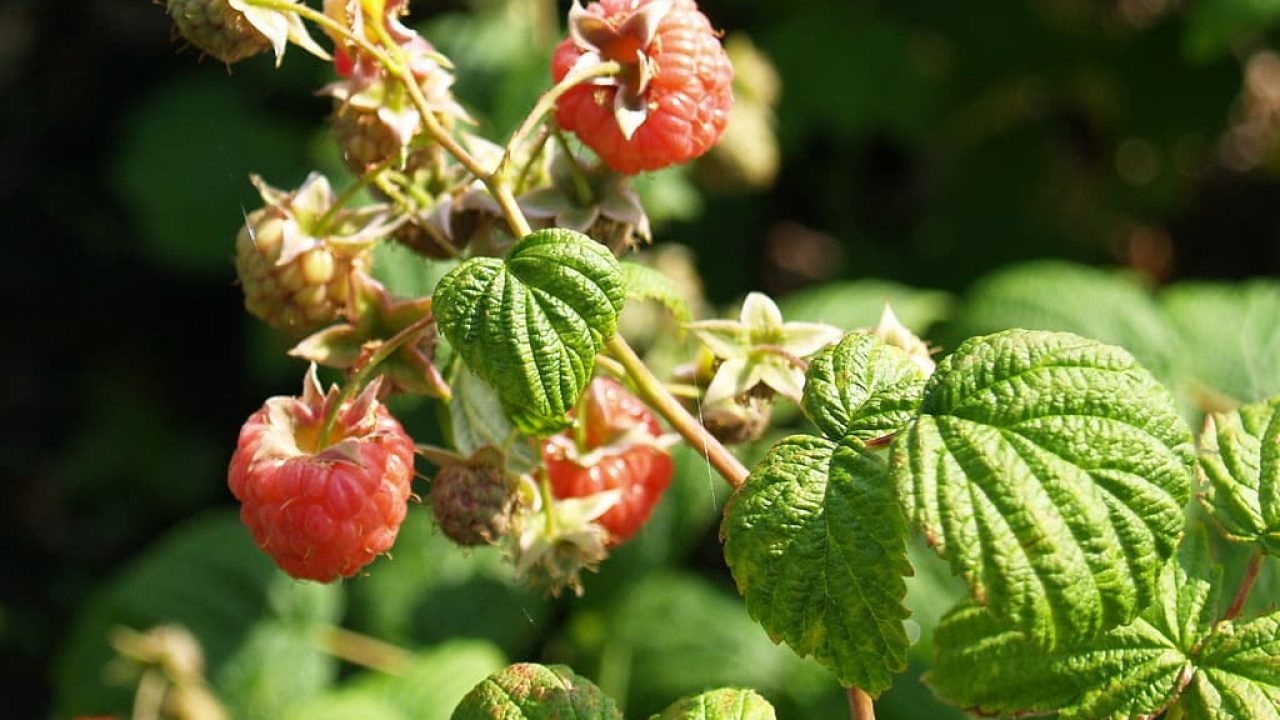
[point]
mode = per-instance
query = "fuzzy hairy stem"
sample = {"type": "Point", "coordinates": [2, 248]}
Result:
{"type": "Point", "coordinates": [655, 393]}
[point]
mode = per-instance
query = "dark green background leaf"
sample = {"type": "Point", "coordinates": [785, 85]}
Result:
{"type": "Point", "coordinates": [252, 620]}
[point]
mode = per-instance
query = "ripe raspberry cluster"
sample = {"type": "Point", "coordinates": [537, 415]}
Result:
{"type": "Point", "coordinates": [322, 508]}
{"type": "Point", "coordinates": [676, 75]}
{"type": "Point", "coordinates": [324, 478]}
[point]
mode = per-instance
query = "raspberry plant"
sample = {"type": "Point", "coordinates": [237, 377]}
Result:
{"type": "Point", "coordinates": [1052, 472]}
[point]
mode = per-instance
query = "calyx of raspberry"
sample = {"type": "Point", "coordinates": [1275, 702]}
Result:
{"type": "Point", "coordinates": [624, 40]}
{"type": "Point", "coordinates": [553, 549]}
{"type": "Point", "coordinates": [367, 89]}
{"type": "Point", "coordinates": [376, 317]}
{"type": "Point", "coordinates": [893, 332]}
{"type": "Point", "coordinates": [609, 210]}
{"type": "Point", "coordinates": [296, 424]}
{"type": "Point", "coordinates": [232, 30]}
{"type": "Point", "coordinates": [760, 348]}
{"type": "Point", "coordinates": [358, 16]}
{"type": "Point", "coordinates": [309, 221]}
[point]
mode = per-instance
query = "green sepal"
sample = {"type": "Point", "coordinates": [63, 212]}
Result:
{"type": "Point", "coordinates": [531, 325]}
{"type": "Point", "coordinates": [1051, 471]}
{"type": "Point", "coordinates": [817, 545]}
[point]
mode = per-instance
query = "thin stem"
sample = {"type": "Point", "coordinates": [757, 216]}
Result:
{"type": "Point", "coordinates": [368, 178]}
{"type": "Point", "coordinates": [861, 706]}
{"type": "Point", "coordinates": [580, 183]}
{"type": "Point", "coordinates": [548, 501]}
{"type": "Point", "coordinates": [500, 191]}
{"type": "Point", "coordinates": [538, 146]}
{"type": "Point", "coordinates": [392, 61]}
{"type": "Point", "coordinates": [1246, 586]}
{"type": "Point", "coordinates": [365, 372]}
{"type": "Point", "coordinates": [363, 650]}
{"type": "Point", "coordinates": [549, 98]}
{"type": "Point", "coordinates": [657, 396]}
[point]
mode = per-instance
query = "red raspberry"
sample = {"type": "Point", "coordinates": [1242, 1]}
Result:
{"type": "Point", "coordinates": [619, 445]}
{"type": "Point", "coordinates": [676, 80]}
{"type": "Point", "coordinates": [322, 512]}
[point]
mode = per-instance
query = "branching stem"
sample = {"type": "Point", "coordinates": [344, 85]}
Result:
{"type": "Point", "coordinates": [549, 98]}
{"type": "Point", "coordinates": [391, 57]}
{"type": "Point", "coordinates": [657, 396]}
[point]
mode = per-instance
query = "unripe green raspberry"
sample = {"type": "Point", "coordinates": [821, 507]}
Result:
{"type": "Point", "coordinates": [367, 142]}
{"type": "Point", "coordinates": [216, 28]}
{"type": "Point", "coordinates": [473, 504]}
{"type": "Point", "coordinates": [304, 293]}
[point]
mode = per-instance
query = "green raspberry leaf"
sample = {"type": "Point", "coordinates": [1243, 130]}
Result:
{"type": "Point", "coordinates": [862, 387]}
{"type": "Point", "coordinates": [644, 283]}
{"type": "Point", "coordinates": [528, 691]}
{"type": "Point", "coordinates": [1240, 456]}
{"type": "Point", "coordinates": [1051, 472]}
{"type": "Point", "coordinates": [1054, 295]}
{"type": "Point", "coordinates": [1239, 673]}
{"type": "Point", "coordinates": [531, 325]}
{"type": "Point", "coordinates": [1229, 332]}
{"type": "Point", "coordinates": [816, 542]}
{"type": "Point", "coordinates": [723, 704]}
{"type": "Point", "coordinates": [1135, 670]}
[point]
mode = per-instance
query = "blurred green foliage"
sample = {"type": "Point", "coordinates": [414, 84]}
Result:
{"type": "Point", "coordinates": [926, 148]}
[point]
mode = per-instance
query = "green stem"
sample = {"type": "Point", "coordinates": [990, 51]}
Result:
{"type": "Point", "coordinates": [368, 178]}
{"type": "Point", "coordinates": [366, 371]}
{"type": "Point", "coordinates": [1246, 586]}
{"type": "Point", "coordinates": [363, 650]}
{"type": "Point", "coordinates": [391, 57]}
{"type": "Point", "coordinates": [548, 501]}
{"type": "Point", "coordinates": [392, 60]}
{"type": "Point", "coordinates": [549, 98]}
{"type": "Point", "coordinates": [538, 147]}
{"type": "Point", "coordinates": [861, 707]}
{"type": "Point", "coordinates": [581, 185]}
{"type": "Point", "coordinates": [660, 399]}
